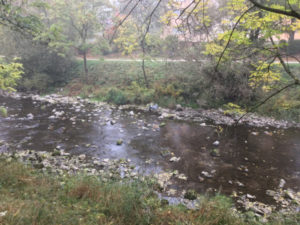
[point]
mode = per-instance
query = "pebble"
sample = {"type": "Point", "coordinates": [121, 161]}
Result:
{"type": "Point", "coordinates": [216, 143]}
{"type": "Point", "coordinates": [175, 159]}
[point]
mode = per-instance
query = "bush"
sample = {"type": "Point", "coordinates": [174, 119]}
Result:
{"type": "Point", "coordinates": [139, 95]}
{"type": "Point", "coordinates": [116, 96]}
{"type": "Point", "coordinates": [171, 46]}
{"type": "Point", "coordinates": [101, 47]}
{"type": "Point", "coordinates": [3, 111]}
{"type": "Point", "coordinates": [228, 84]}
{"type": "Point", "coordinates": [38, 82]}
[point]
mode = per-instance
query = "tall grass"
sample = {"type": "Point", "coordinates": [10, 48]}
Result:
{"type": "Point", "coordinates": [30, 197]}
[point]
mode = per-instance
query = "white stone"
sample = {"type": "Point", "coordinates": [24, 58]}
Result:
{"type": "Point", "coordinates": [216, 143]}
{"type": "Point", "coordinates": [175, 159]}
{"type": "Point", "coordinates": [3, 213]}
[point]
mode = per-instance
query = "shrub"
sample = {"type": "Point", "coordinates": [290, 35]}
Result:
{"type": "Point", "coordinates": [139, 95]}
{"type": "Point", "coordinates": [38, 82]}
{"type": "Point", "coordinates": [3, 111]}
{"type": "Point", "coordinates": [232, 108]}
{"type": "Point", "coordinates": [116, 96]}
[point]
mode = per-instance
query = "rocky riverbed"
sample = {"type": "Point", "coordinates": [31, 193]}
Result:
{"type": "Point", "coordinates": [188, 151]}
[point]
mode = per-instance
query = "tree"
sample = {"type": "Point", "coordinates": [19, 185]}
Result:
{"type": "Point", "coordinates": [18, 16]}
{"type": "Point", "coordinates": [127, 38]}
{"type": "Point", "coordinates": [248, 33]}
{"type": "Point", "coordinates": [83, 20]}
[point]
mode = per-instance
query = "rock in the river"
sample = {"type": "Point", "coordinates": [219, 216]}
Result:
{"type": "Point", "coordinates": [182, 177]}
{"type": "Point", "coordinates": [56, 153]}
{"type": "Point", "coordinates": [271, 193]}
{"type": "Point", "coordinates": [201, 179]}
{"type": "Point", "coordinates": [215, 153]}
{"type": "Point", "coordinates": [179, 108]}
{"type": "Point", "coordinates": [162, 124]}
{"type": "Point", "coordinates": [168, 116]}
{"type": "Point", "coordinates": [82, 157]}
{"type": "Point", "coordinates": [175, 159]}
{"type": "Point", "coordinates": [30, 116]}
{"type": "Point", "coordinates": [153, 107]}
{"type": "Point", "coordinates": [216, 143]}
{"type": "Point", "coordinates": [163, 179]}
{"type": "Point", "coordinates": [259, 208]}
{"type": "Point", "coordinates": [165, 153]}
{"type": "Point", "coordinates": [207, 174]}
{"type": "Point", "coordinates": [289, 193]}
{"type": "Point", "coordinates": [119, 142]}
{"type": "Point", "coordinates": [190, 195]}
{"type": "Point", "coordinates": [282, 183]}
{"type": "Point", "coordinates": [240, 184]}
{"type": "Point", "coordinates": [250, 196]}
{"type": "Point", "coordinates": [171, 192]}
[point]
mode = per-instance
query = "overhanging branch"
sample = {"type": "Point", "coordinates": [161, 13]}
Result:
{"type": "Point", "coordinates": [291, 13]}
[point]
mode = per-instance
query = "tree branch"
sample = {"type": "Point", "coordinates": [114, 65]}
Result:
{"type": "Point", "coordinates": [291, 13]}
{"type": "Point", "coordinates": [265, 100]}
{"type": "Point", "coordinates": [124, 19]}
{"type": "Point", "coordinates": [144, 39]}
{"type": "Point", "coordinates": [232, 31]}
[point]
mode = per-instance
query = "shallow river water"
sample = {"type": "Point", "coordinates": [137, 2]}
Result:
{"type": "Point", "coordinates": [246, 160]}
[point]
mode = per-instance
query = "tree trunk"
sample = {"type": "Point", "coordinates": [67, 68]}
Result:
{"type": "Point", "coordinates": [292, 32]}
{"type": "Point", "coordinates": [292, 36]}
{"type": "Point", "coordinates": [145, 74]}
{"type": "Point", "coordinates": [86, 70]}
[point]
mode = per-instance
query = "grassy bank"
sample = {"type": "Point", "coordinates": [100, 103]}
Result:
{"type": "Point", "coordinates": [30, 197]}
{"type": "Point", "coordinates": [122, 82]}
{"type": "Point", "coordinates": [172, 83]}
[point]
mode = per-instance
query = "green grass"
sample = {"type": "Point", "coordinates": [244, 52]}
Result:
{"type": "Point", "coordinates": [122, 82]}
{"type": "Point", "coordinates": [30, 197]}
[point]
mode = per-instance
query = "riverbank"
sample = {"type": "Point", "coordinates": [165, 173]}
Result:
{"type": "Point", "coordinates": [215, 116]}
{"type": "Point", "coordinates": [41, 196]}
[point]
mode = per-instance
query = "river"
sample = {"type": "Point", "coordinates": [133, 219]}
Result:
{"type": "Point", "coordinates": [211, 158]}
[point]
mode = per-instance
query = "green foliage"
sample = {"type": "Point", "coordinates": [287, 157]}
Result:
{"type": "Point", "coordinates": [101, 47]}
{"type": "Point", "coordinates": [127, 39]}
{"type": "Point", "coordinates": [19, 16]}
{"type": "Point", "coordinates": [137, 94]}
{"type": "Point", "coordinates": [264, 76]}
{"type": "Point", "coordinates": [232, 108]}
{"type": "Point", "coordinates": [116, 96]}
{"type": "Point", "coordinates": [170, 83]}
{"type": "Point", "coordinates": [153, 45]}
{"type": "Point", "coordinates": [171, 46]}
{"type": "Point", "coordinates": [37, 82]}
{"type": "Point", "coordinates": [285, 106]}
{"type": "Point", "coordinates": [9, 75]}
{"type": "Point", "coordinates": [3, 111]}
